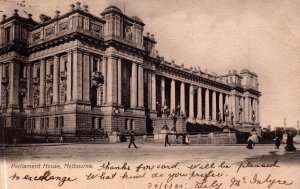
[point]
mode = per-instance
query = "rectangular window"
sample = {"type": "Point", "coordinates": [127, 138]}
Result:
{"type": "Point", "coordinates": [65, 63]}
{"type": "Point", "coordinates": [93, 122]}
{"type": "Point", "coordinates": [95, 65]}
{"type": "Point", "coordinates": [100, 123]}
{"type": "Point", "coordinates": [29, 124]}
{"type": "Point", "coordinates": [42, 124]}
{"type": "Point", "coordinates": [6, 71]}
{"type": "Point", "coordinates": [56, 122]}
{"type": "Point", "coordinates": [38, 72]}
{"type": "Point", "coordinates": [61, 122]}
{"type": "Point", "coordinates": [47, 123]}
{"type": "Point", "coordinates": [126, 124]}
{"type": "Point", "coordinates": [33, 124]}
{"type": "Point", "coordinates": [51, 69]}
{"type": "Point", "coordinates": [7, 34]}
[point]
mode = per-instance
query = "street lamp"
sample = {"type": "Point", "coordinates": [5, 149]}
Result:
{"type": "Point", "coordinates": [116, 113]}
{"type": "Point", "coordinates": [165, 126]}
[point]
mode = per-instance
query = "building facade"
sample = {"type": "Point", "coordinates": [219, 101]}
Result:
{"type": "Point", "coordinates": [80, 72]}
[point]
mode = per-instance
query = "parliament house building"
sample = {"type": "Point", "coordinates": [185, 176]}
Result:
{"type": "Point", "coordinates": [79, 72]}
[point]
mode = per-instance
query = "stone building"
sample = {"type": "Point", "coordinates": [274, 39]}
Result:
{"type": "Point", "coordinates": [80, 72]}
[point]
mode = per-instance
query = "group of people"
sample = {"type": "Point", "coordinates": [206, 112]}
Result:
{"type": "Point", "coordinates": [250, 142]}
{"type": "Point", "coordinates": [185, 140]}
{"type": "Point", "coordinates": [289, 142]}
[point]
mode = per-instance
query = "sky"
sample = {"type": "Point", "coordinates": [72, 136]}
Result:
{"type": "Point", "coordinates": [217, 35]}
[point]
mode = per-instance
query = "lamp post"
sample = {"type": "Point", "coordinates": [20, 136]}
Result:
{"type": "Point", "coordinates": [165, 126]}
{"type": "Point", "coordinates": [116, 113]}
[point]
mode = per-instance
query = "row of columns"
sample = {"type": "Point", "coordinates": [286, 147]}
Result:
{"type": "Point", "coordinates": [137, 86]}
{"type": "Point", "coordinates": [230, 100]}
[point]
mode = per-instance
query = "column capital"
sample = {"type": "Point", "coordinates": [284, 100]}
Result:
{"type": "Point", "coordinates": [56, 57]}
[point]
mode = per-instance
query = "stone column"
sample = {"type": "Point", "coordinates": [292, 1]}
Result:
{"type": "Point", "coordinates": [250, 110]}
{"type": "Point", "coordinates": [77, 75]}
{"type": "Point", "coordinates": [172, 95]}
{"type": "Point", "coordinates": [133, 86]}
{"type": "Point", "coordinates": [191, 104]}
{"type": "Point", "coordinates": [111, 80]}
{"type": "Point", "coordinates": [153, 90]}
{"type": "Point", "coordinates": [104, 73]}
{"type": "Point", "coordinates": [29, 86]}
{"type": "Point", "coordinates": [234, 107]}
{"type": "Point", "coordinates": [141, 87]}
{"type": "Point", "coordinates": [119, 81]}
{"type": "Point", "coordinates": [182, 98]}
{"type": "Point", "coordinates": [48, 63]}
{"type": "Point", "coordinates": [214, 106]}
{"type": "Point", "coordinates": [99, 102]}
{"type": "Point", "coordinates": [229, 105]}
{"type": "Point", "coordinates": [243, 111]}
{"type": "Point", "coordinates": [86, 77]}
{"type": "Point", "coordinates": [69, 76]}
{"type": "Point", "coordinates": [207, 104]}
{"type": "Point", "coordinates": [55, 80]}
{"type": "Point", "coordinates": [221, 108]}
{"type": "Point", "coordinates": [199, 104]}
{"type": "Point", "coordinates": [227, 100]}
{"type": "Point", "coordinates": [42, 82]}
{"type": "Point", "coordinates": [246, 109]}
{"type": "Point", "coordinates": [163, 92]}
{"type": "Point", "coordinates": [257, 111]}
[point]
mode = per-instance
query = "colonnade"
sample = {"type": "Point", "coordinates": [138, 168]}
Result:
{"type": "Point", "coordinates": [212, 104]}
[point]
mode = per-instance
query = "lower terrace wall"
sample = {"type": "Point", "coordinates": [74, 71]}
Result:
{"type": "Point", "coordinates": [209, 138]}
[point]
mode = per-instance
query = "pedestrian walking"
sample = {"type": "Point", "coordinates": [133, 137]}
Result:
{"type": "Point", "coordinates": [132, 139]}
{"type": "Point", "coordinates": [277, 142]}
{"type": "Point", "coordinates": [290, 143]}
{"type": "Point", "coordinates": [250, 143]}
{"type": "Point", "coordinates": [167, 140]}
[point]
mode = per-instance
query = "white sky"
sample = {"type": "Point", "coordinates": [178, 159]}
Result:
{"type": "Point", "coordinates": [218, 35]}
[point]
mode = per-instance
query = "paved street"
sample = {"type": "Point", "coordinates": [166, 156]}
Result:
{"type": "Point", "coordinates": [149, 151]}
